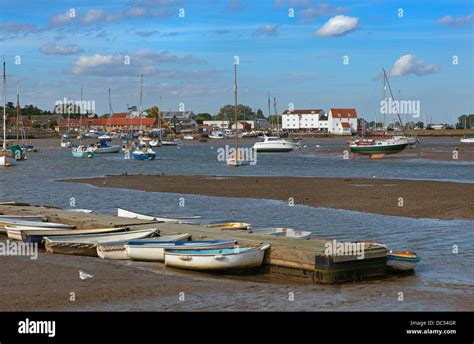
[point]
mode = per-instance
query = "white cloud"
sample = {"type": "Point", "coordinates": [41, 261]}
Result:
{"type": "Point", "coordinates": [94, 63]}
{"type": "Point", "coordinates": [448, 20]}
{"type": "Point", "coordinates": [93, 16]}
{"type": "Point", "coordinates": [410, 64]}
{"type": "Point", "coordinates": [59, 49]}
{"type": "Point", "coordinates": [338, 26]}
{"type": "Point", "coordinates": [62, 18]}
{"type": "Point", "coordinates": [268, 30]}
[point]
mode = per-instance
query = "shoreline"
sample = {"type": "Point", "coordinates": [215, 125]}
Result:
{"type": "Point", "coordinates": [406, 198]}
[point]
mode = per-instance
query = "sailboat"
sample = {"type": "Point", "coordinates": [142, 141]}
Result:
{"type": "Point", "coordinates": [81, 151]}
{"type": "Point", "coordinates": [234, 159]}
{"type": "Point", "coordinates": [143, 151]}
{"type": "Point", "coordinates": [103, 146]}
{"type": "Point", "coordinates": [6, 156]}
{"type": "Point", "coordinates": [17, 149]}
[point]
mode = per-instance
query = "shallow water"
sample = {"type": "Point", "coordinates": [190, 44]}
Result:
{"type": "Point", "coordinates": [33, 181]}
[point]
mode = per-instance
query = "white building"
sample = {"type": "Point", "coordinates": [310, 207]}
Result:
{"type": "Point", "coordinates": [302, 119]}
{"type": "Point", "coordinates": [342, 121]}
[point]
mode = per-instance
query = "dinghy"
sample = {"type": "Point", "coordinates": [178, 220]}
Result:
{"type": "Point", "coordinates": [231, 226]}
{"type": "Point", "coordinates": [133, 215]}
{"type": "Point", "coordinates": [86, 245]}
{"type": "Point", "coordinates": [117, 250]}
{"type": "Point", "coordinates": [155, 251]}
{"type": "Point", "coordinates": [286, 232]}
{"type": "Point", "coordinates": [35, 218]}
{"type": "Point", "coordinates": [402, 260]}
{"type": "Point", "coordinates": [13, 222]}
{"type": "Point", "coordinates": [36, 234]}
{"type": "Point", "coordinates": [239, 257]}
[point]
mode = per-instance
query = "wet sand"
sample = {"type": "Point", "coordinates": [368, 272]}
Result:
{"type": "Point", "coordinates": [408, 198]}
{"type": "Point", "coordinates": [47, 284]}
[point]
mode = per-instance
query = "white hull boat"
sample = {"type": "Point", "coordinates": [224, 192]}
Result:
{"type": "Point", "coordinates": [286, 232]}
{"type": "Point", "coordinates": [467, 140]}
{"type": "Point", "coordinates": [107, 149]}
{"type": "Point", "coordinates": [24, 218]}
{"type": "Point", "coordinates": [273, 144]}
{"type": "Point", "coordinates": [402, 260]}
{"type": "Point", "coordinates": [117, 251]}
{"type": "Point", "coordinates": [242, 257]}
{"type": "Point", "coordinates": [133, 215]}
{"type": "Point", "coordinates": [7, 161]}
{"type": "Point", "coordinates": [155, 251]}
{"type": "Point", "coordinates": [217, 135]}
{"type": "Point", "coordinates": [13, 222]}
{"type": "Point", "coordinates": [86, 245]}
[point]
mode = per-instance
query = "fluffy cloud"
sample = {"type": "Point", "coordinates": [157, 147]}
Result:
{"type": "Point", "coordinates": [142, 61]}
{"type": "Point", "coordinates": [58, 49]}
{"type": "Point", "coordinates": [17, 28]}
{"type": "Point", "coordinates": [410, 64]}
{"type": "Point", "coordinates": [338, 26]}
{"type": "Point", "coordinates": [268, 30]}
{"type": "Point", "coordinates": [448, 20]}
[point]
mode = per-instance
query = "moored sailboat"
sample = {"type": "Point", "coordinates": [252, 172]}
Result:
{"type": "Point", "coordinates": [6, 156]}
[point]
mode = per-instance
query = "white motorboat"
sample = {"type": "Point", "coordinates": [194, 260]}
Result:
{"type": "Point", "coordinates": [217, 135]}
{"type": "Point", "coordinates": [274, 144]}
{"type": "Point", "coordinates": [468, 139]}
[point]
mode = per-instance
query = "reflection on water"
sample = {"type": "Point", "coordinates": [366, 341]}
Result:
{"type": "Point", "coordinates": [33, 181]}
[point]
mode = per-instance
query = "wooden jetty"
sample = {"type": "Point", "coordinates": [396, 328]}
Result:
{"type": "Point", "coordinates": [288, 258]}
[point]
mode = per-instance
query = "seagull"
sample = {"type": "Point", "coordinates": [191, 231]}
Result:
{"type": "Point", "coordinates": [84, 275]}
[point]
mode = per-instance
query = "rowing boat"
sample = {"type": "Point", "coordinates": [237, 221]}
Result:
{"type": "Point", "coordinates": [86, 245]}
{"type": "Point", "coordinates": [35, 218]}
{"type": "Point", "coordinates": [132, 215]}
{"type": "Point", "coordinates": [117, 249]}
{"type": "Point", "coordinates": [286, 232]}
{"type": "Point", "coordinates": [8, 222]}
{"type": "Point", "coordinates": [239, 257]}
{"type": "Point", "coordinates": [402, 260]}
{"type": "Point", "coordinates": [155, 251]}
{"type": "Point", "coordinates": [231, 226]}
{"type": "Point", "coordinates": [36, 234]}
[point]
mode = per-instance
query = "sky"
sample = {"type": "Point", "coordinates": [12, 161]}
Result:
{"type": "Point", "coordinates": [306, 53]}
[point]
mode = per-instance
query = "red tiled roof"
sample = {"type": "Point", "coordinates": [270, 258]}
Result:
{"type": "Point", "coordinates": [110, 121]}
{"type": "Point", "coordinates": [119, 115]}
{"type": "Point", "coordinates": [302, 112]}
{"type": "Point", "coordinates": [345, 125]}
{"type": "Point", "coordinates": [343, 113]}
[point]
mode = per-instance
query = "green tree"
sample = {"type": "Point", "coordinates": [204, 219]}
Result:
{"type": "Point", "coordinates": [243, 112]}
{"type": "Point", "coordinates": [201, 117]}
{"type": "Point", "coordinates": [259, 114]}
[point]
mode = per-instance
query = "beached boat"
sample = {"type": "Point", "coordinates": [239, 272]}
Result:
{"type": "Point", "coordinates": [402, 260]}
{"type": "Point", "coordinates": [36, 218]}
{"type": "Point", "coordinates": [188, 137]}
{"type": "Point", "coordinates": [82, 152]}
{"type": "Point", "coordinates": [36, 234]}
{"type": "Point", "coordinates": [239, 257]}
{"type": "Point", "coordinates": [117, 250]}
{"type": "Point", "coordinates": [231, 226]}
{"type": "Point", "coordinates": [467, 139]}
{"type": "Point", "coordinates": [286, 232]}
{"type": "Point", "coordinates": [155, 251]}
{"type": "Point", "coordinates": [132, 215]}
{"type": "Point", "coordinates": [274, 144]}
{"type": "Point", "coordinates": [216, 135]}
{"type": "Point", "coordinates": [14, 222]}
{"type": "Point", "coordinates": [86, 245]}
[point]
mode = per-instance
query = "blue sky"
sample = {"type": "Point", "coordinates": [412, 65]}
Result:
{"type": "Point", "coordinates": [189, 59]}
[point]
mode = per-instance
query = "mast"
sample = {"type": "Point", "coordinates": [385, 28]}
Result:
{"type": "Point", "coordinates": [17, 113]}
{"type": "Point", "coordinates": [110, 110]}
{"type": "Point", "coordinates": [385, 101]}
{"type": "Point", "coordinates": [4, 108]}
{"type": "Point", "coordinates": [276, 113]}
{"type": "Point", "coordinates": [269, 111]}
{"type": "Point", "coordinates": [141, 99]}
{"type": "Point", "coordinates": [80, 118]}
{"type": "Point", "coordinates": [235, 110]}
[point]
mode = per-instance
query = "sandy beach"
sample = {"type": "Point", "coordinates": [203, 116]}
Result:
{"type": "Point", "coordinates": [408, 198]}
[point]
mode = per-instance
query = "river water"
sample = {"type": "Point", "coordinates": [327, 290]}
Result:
{"type": "Point", "coordinates": [435, 241]}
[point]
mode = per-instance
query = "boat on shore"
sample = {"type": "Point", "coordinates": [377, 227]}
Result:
{"type": "Point", "coordinates": [467, 139]}
{"type": "Point", "coordinates": [239, 257]}
{"type": "Point", "coordinates": [216, 135]}
{"type": "Point", "coordinates": [155, 251]}
{"type": "Point", "coordinates": [231, 226]}
{"type": "Point", "coordinates": [36, 218]}
{"type": "Point", "coordinates": [116, 250]}
{"type": "Point", "coordinates": [286, 232]}
{"type": "Point", "coordinates": [274, 144]}
{"type": "Point", "coordinates": [86, 245]}
{"type": "Point", "coordinates": [37, 234]}
{"type": "Point", "coordinates": [14, 222]}
{"type": "Point", "coordinates": [402, 260]}
{"type": "Point", "coordinates": [133, 215]}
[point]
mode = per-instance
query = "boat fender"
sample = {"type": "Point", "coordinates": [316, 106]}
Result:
{"type": "Point", "coordinates": [186, 258]}
{"type": "Point", "coordinates": [219, 257]}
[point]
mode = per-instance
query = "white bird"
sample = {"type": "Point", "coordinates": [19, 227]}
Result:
{"type": "Point", "coordinates": [84, 275]}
